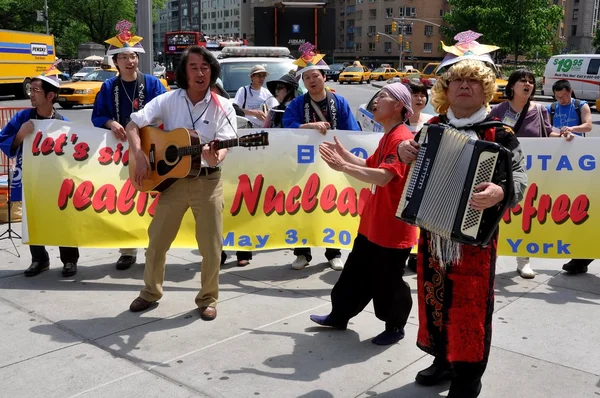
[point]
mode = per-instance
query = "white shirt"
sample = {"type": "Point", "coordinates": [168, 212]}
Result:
{"type": "Point", "coordinates": [254, 100]}
{"type": "Point", "coordinates": [175, 110]}
{"type": "Point", "coordinates": [424, 118]}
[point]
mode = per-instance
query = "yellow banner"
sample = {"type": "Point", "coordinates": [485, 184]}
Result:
{"type": "Point", "coordinates": [77, 193]}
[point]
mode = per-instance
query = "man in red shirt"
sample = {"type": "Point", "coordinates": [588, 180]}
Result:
{"type": "Point", "coordinates": [375, 266]}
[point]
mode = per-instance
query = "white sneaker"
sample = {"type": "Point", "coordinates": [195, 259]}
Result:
{"type": "Point", "coordinates": [300, 262]}
{"type": "Point", "coordinates": [525, 271]}
{"type": "Point", "coordinates": [336, 264]}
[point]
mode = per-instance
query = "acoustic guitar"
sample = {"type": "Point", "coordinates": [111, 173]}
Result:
{"type": "Point", "coordinates": [177, 154]}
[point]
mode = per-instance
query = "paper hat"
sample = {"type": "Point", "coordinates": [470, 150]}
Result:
{"type": "Point", "coordinates": [51, 74]}
{"type": "Point", "coordinates": [309, 59]}
{"type": "Point", "coordinates": [467, 48]}
{"type": "Point", "coordinates": [125, 41]}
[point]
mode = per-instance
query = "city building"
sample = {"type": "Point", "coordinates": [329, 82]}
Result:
{"type": "Point", "coordinates": [177, 15]}
{"type": "Point", "coordinates": [581, 18]}
{"type": "Point", "coordinates": [225, 18]}
{"type": "Point", "coordinates": [360, 23]}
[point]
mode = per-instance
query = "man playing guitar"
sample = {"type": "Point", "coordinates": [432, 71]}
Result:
{"type": "Point", "coordinates": [192, 107]}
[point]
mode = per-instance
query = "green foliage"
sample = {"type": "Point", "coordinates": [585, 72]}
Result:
{"type": "Point", "coordinates": [596, 41]}
{"type": "Point", "coordinates": [72, 22]}
{"type": "Point", "coordinates": [517, 26]}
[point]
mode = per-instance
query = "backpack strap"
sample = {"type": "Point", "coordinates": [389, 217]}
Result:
{"type": "Point", "coordinates": [552, 112]}
{"type": "Point", "coordinates": [578, 109]}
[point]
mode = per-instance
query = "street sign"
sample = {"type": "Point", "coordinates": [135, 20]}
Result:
{"type": "Point", "coordinates": [40, 16]}
{"type": "Point", "coordinates": [295, 28]}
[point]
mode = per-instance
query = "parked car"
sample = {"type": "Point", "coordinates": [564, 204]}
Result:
{"type": "Point", "coordinates": [364, 115]}
{"type": "Point", "coordinates": [160, 72]}
{"type": "Point", "coordinates": [383, 74]}
{"type": "Point", "coordinates": [81, 73]}
{"type": "Point", "coordinates": [84, 91]}
{"type": "Point", "coordinates": [356, 73]}
{"type": "Point", "coordinates": [334, 72]}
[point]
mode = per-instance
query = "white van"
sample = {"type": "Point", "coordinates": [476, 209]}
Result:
{"type": "Point", "coordinates": [581, 70]}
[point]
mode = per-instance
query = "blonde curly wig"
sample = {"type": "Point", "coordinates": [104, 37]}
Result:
{"type": "Point", "coordinates": [467, 69]}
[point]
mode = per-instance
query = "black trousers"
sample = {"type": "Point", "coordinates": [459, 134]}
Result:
{"type": "Point", "coordinates": [330, 254]}
{"type": "Point", "coordinates": [373, 273]}
{"type": "Point", "coordinates": [67, 254]}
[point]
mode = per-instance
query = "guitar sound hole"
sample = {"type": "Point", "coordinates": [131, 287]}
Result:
{"type": "Point", "coordinates": [171, 154]}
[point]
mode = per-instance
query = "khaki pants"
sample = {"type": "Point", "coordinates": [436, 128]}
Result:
{"type": "Point", "coordinates": [205, 196]}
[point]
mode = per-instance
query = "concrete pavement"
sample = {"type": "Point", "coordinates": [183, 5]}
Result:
{"type": "Point", "coordinates": [66, 337]}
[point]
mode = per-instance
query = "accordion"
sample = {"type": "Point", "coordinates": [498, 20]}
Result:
{"type": "Point", "coordinates": [449, 165]}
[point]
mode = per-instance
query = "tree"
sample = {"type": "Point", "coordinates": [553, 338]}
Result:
{"type": "Point", "coordinates": [596, 41]}
{"type": "Point", "coordinates": [517, 26]}
{"type": "Point", "coordinates": [72, 22]}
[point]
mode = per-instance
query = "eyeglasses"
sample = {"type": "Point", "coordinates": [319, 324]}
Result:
{"type": "Point", "coordinates": [132, 57]}
{"type": "Point", "coordinates": [36, 90]}
{"type": "Point", "coordinates": [469, 81]}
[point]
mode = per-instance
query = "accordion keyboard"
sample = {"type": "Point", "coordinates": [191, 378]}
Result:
{"type": "Point", "coordinates": [485, 170]}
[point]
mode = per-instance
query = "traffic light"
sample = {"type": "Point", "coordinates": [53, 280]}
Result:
{"type": "Point", "coordinates": [394, 26]}
{"type": "Point", "coordinates": [400, 39]}
{"type": "Point", "coordinates": [406, 46]}
{"type": "Point", "coordinates": [377, 38]}
{"type": "Point", "coordinates": [551, 49]}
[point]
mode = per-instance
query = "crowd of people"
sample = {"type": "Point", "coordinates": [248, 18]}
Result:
{"type": "Point", "coordinates": [455, 281]}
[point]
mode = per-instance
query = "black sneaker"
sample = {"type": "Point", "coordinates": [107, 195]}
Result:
{"type": "Point", "coordinates": [69, 269]}
{"type": "Point", "coordinates": [573, 268]}
{"type": "Point", "coordinates": [125, 262]}
{"type": "Point", "coordinates": [37, 268]}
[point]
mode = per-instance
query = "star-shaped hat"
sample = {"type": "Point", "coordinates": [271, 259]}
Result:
{"type": "Point", "coordinates": [467, 48]}
{"type": "Point", "coordinates": [51, 74]}
{"type": "Point", "coordinates": [124, 41]}
{"type": "Point", "coordinates": [309, 60]}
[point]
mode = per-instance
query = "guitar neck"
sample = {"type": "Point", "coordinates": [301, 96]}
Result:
{"type": "Point", "coordinates": [193, 150]}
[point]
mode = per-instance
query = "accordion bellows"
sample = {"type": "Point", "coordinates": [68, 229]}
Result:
{"type": "Point", "coordinates": [449, 165]}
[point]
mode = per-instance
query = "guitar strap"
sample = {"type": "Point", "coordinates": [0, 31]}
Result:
{"type": "Point", "coordinates": [215, 98]}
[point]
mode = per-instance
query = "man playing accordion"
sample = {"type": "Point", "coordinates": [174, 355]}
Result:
{"type": "Point", "coordinates": [456, 281]}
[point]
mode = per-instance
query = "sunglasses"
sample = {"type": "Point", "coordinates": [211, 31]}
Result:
{"type": "Point", "coordinates": [260, 75]}
{"type": "Point", "coordinates": [279, 88]}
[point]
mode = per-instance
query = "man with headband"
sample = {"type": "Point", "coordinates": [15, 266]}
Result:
{"type": "Point", "coordinates": [455, 282]}
{"type": "Point", "coordinates": [375, 266]}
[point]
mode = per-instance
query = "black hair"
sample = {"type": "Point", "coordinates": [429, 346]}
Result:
{"type": "Point", "coordinates": [561, 85]}
{"type": "Point", "coordinates": [181, 73]}
{"type": "Point", "coordinates": [418, 88]}
{"type": "Point", "coordinates": [48, 88]}
{"type": "Point", "coordinates": [514, 78]}
{"type": "Point", "coordinates": [320, 70]}
{"type": "Point", "coordinates": [114, 59]}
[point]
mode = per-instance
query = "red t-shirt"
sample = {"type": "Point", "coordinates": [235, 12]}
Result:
{"type": "Point", "coordinates": [378, 221]}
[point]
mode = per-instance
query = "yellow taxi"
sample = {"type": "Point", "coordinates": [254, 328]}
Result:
{"type": "Point", "coordinates": [355, 73]}
{"type": "Point", "coordinates": [83, 92]}
{"type": "Point", "coordinates": [383, 74]}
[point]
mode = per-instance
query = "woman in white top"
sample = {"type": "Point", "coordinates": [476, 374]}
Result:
{"type": "Point", "coordinates": [420, 98]}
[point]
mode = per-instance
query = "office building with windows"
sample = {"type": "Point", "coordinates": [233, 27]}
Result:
{"type": "Point", "coordinates": [361, 22]}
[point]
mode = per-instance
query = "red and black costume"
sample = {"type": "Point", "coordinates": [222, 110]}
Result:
{"type": "Point", "coordinates": [456, 301]}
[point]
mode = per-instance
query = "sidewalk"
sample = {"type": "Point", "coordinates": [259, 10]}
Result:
{"type": "Point", "coordinates": [64, 337]}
